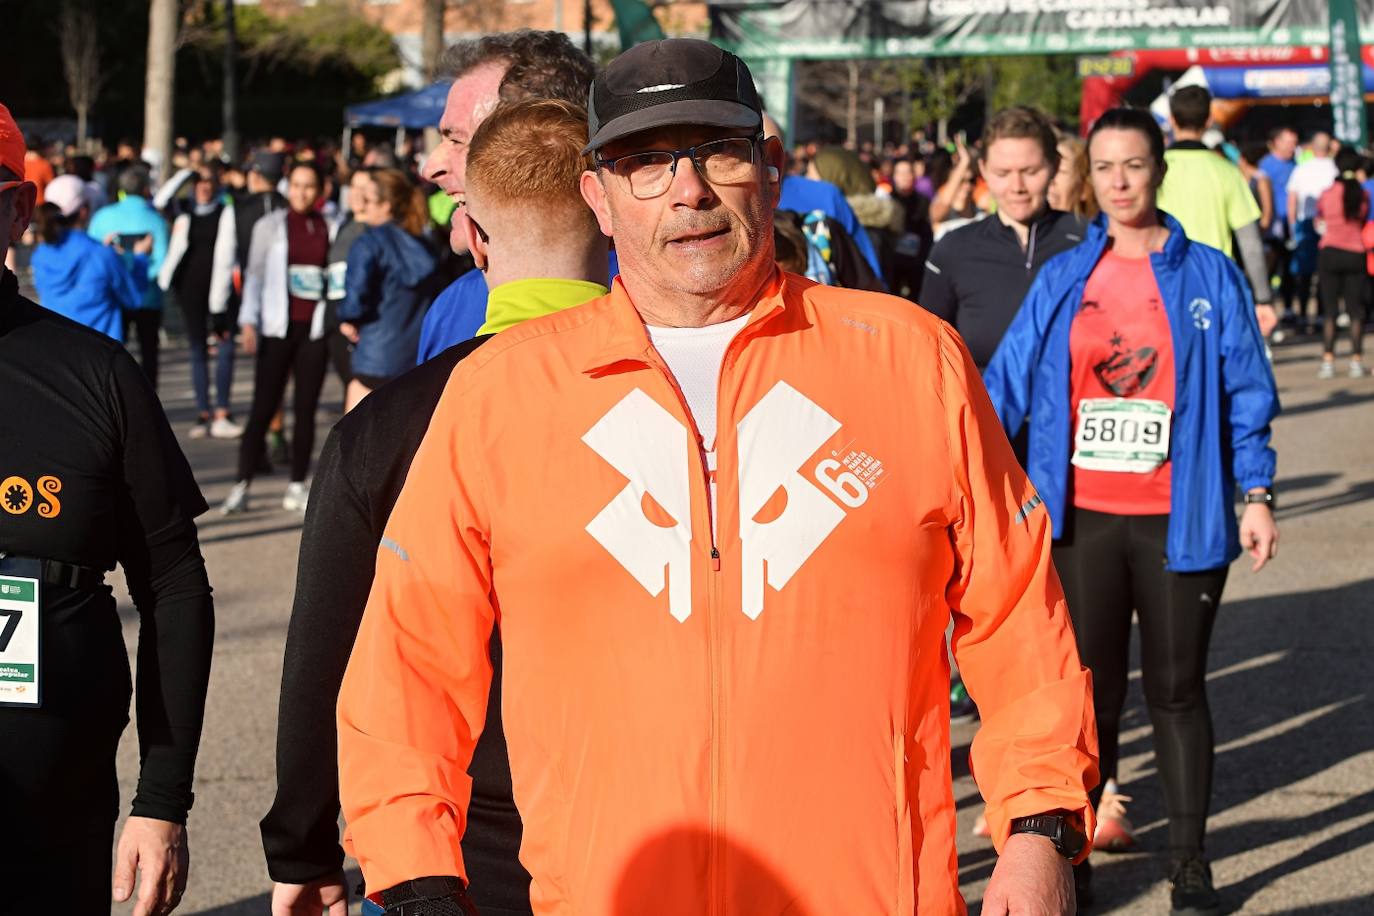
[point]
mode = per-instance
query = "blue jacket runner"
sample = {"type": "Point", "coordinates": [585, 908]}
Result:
{"type": "Point", "coordinates": [1224, 397]}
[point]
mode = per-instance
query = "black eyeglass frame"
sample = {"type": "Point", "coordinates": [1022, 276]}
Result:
{"type": "Point", "coordinates": [689, 153]}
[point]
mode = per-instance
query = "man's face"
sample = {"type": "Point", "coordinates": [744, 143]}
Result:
{"type": "Point", "coordinates": [1284, 144]}
{"type": "Point", "coordinates": [1018, 176]}
{"type": "Point", "coordinates": [16, 207]}
{"type": "Point", "coordinates": [696, 237]}
{"type": "Point", "coordinates": [470, 99]}
{"type": "Point", "coordinates": [205, 190]}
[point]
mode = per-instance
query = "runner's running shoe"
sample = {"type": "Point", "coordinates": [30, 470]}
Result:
{"type": "Point", "coordinates": [1358, 369]}
{"type": "Point", "coordinates": [225, 428]}
{"type": "Point", "coordinates": [1192, 893]}
{"type": "Point", "coordinates": [1327, 370]}
{"type": "Point", "coordinates": [296, 498]}
{"type": "Point", "coordinates": [1114, 831]}
{"type": "Point", "coordinates": [237, 500]}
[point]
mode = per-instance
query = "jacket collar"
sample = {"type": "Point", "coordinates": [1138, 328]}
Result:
{"type": "Point", "coordinates": [1175, 247]}
{"type": "Point", "coordinates": [624, 339]}
{"type": "Point", "coordinates": [520, 300]}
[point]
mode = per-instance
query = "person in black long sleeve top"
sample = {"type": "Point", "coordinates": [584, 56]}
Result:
{"type": "Point", "coordinates": [90, 476]}
{"type": "Point", "coordinates": [357, 482]}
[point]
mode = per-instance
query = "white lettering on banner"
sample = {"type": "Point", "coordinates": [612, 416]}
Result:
{"type": "Point", "coordinates": [649, 446]}
{"type": "Point", "coordinates": [775, 437]}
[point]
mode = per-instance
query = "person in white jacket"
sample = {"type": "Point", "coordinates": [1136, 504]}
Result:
{"type": "Point", "coordinates": [199, 272]}
{"type": "Point", "coordinates": [282, 322]}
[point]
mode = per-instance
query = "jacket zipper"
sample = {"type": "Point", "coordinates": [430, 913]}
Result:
{"type": "Point", "coordinates": [714, 613]}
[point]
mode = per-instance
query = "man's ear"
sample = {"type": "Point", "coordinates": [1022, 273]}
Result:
{"type": "Point", "coordinates": [594, 193]}
{"type": "Point", "coordinates": [25, 200]}
{"type": "Point", "coordinates": [478, 248]}
{"type": "Point", "coordinates": [774, 157]}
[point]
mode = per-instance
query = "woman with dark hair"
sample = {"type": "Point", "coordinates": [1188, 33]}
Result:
{"type": "Point", "coordinates": [75, 275]}
{"type": "Point", "coordinates": [282, 322]}
{"type": "Point", "coordinates": [391, 281]}
{"type": "Point", "coordinates": [1341, 214]}
{"type": "Point", "coordinates": [1142, 356]}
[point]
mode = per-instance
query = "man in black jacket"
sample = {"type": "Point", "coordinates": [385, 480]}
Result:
{"type": "Point", "coordinates": [357, 482]}
{"type": "Point", "coordinates": [977, 275]}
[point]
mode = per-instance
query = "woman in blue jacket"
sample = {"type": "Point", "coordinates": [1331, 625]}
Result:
{"type": "Point", "coordinates": [1138, 365]}
{"type": "Point", "coordinates": [75, 275]}
{"type": "Point", "coordinates": [391, 281]}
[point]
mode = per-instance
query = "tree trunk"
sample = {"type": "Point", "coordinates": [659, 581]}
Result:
{"type": "Point", "coordinates": [161, 83]}
{"type": "Point", "coordinates": [431, 38]}
{"type": "Point", "coordinates": [851, 131]}
{"type": "Point", "coordinates": [230, 101]}
{"type": "Point", "coordinates": [81, 127]}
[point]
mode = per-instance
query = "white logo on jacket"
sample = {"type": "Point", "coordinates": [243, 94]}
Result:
{"type": "Point", "coordinates": [650, 447]}
{"type": "Point", "coordinates": [1201, 310]}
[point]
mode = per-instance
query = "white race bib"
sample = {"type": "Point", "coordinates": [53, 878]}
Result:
{"type": "Point", "coordinates": [1120, 434]}
{"type": "Point", "coordinates": [305, 281]}
{"type": "Point", "coordinates": [20, 642]}
{"type": "Point", "coordinates": [337, 279]}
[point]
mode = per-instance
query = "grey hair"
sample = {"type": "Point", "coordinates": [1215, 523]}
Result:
{"type": "Point", "coordinates": [134, 180]}
{"type": "Point", "coordinates": [540, 64]}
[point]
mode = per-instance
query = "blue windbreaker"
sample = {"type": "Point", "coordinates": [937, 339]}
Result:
{"type": "Point", "coordinates": [390, 284]}
{"type": "Point", "coordinates": [1224, 393]}
{"type": "Point", "coordinates": [78, 277]}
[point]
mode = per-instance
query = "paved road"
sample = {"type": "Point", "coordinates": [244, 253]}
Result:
{"type": "Point", "coordinates": [1293, 824]}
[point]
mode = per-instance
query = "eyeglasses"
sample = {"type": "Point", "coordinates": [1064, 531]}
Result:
{"type": "Point", "coordinates": [481, 233]}
{"type": "Point", "coordinates": [728, 161]}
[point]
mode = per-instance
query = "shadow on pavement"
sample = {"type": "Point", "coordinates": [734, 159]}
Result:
{"type": "Point", "coordinates": [1289, 695]}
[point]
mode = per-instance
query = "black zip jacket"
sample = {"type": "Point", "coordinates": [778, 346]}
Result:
{"type": "Point", "coordinates": [977, 275]}
{"type": "Point", "coordinates": [359, 477]}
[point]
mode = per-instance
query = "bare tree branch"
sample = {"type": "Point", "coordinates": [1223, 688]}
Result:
{"type": "Point", "coordinates": [79, 40]}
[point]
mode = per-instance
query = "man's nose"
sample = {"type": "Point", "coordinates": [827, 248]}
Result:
{"type": "Point", "coordinates": [435, 164]}
{"type": "Point", "coordinates": [689, 188]}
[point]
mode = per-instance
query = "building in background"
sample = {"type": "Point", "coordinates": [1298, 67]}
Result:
{"type": "Point", "coordinates": [467, 18]}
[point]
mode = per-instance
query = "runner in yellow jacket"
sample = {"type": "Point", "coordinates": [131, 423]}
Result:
{"type": "Point", "coordinates": [722, 604]}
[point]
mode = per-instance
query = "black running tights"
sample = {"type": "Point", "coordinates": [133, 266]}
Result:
{"type": "Point", "coordinates": [280, 358]}
{"type": "Point", "coordinates": [1111, 566]}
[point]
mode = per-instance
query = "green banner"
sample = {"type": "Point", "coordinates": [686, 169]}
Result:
{"type": "Point", "coordinates": [636, 23]}
{"type": "Point", "coordinates": [1347, 91]}
{"type": "Point", "coordinates": [905, 28]}
{"type": "Point", "coordinates": [16, 672]}
{"type": "Point", "coordinates": [17, 590]}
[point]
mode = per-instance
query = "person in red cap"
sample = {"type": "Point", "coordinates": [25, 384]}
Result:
{"type": "Point", "coordinates": [95, 478]}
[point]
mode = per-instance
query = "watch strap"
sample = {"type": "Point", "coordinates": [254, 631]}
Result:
{"type": "Point", "coordinates": [440, 895]}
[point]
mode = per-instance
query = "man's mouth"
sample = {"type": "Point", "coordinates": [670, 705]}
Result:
{"type": "Point", "coordinates": [703, 235]}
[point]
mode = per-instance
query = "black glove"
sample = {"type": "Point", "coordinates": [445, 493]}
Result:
{"type": "Point", "coordinates": [220, 325]}
{"type": "Point", "coordinates": [434, 896]}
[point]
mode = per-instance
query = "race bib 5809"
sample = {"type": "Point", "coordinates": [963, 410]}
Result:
{"type": "Point", "coordinates": [1129, 435]}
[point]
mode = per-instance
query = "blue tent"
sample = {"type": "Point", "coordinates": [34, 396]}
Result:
{"type": "Point", "coordinates": [412, 110]}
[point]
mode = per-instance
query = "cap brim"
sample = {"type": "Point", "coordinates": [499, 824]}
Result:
{"type": "Point", "coordinates": [704, 112]}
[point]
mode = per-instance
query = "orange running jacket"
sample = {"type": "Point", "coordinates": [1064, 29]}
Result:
{"type": "Point", "coordinates": [754, 722]}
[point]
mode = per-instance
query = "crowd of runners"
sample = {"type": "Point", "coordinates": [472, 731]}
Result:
{"type": "Point", "coordinates": [666, 452]}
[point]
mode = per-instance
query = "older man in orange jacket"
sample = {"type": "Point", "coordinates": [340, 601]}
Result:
{"type": "Point", "coordinates": [722, 517]}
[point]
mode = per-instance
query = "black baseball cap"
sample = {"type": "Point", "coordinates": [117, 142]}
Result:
{"type": "Point", "coordinates": [670, 82]}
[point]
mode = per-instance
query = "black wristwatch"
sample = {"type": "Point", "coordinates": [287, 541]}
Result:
{"type": "Point", "coordinates": [434, 896]}
{"type": "Point", "coordinates": [1059, 829]}
{"type": "Point", "coordinates": [1264, 497]}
